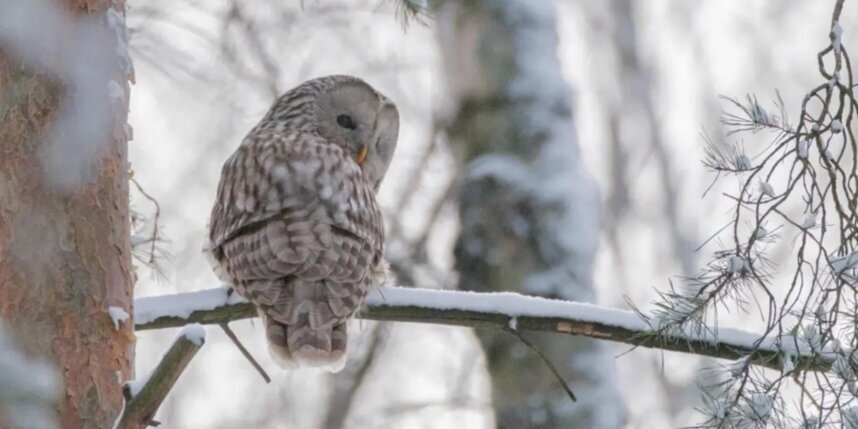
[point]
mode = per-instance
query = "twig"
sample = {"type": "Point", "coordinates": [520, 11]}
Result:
{"type": "Point", "coordinates": [142, 404]}
{"type": "Point", "coordinates": [546, 361]}
{"type": "Point", "coordinates": [154, 238]}
{"type": "Point", "coordinates": [245, 352]}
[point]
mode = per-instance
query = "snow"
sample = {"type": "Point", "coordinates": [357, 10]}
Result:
{"type": "Point", "coordinates": [516, 305]}
{"type": "Point", "coordinates": [182, 305]}
{"type": "Point", "coordinates": [194, 333]}
{"type": "Point", "coordinates": [758, 114]}
{"type": "Point", "coordinates": [836, 126]}
{"type": "Point", "coordinates": [788, 363]}
{"type": "Point", "coordinates": [736, 264]}
{"type": "Point", "coordinates": [803, 149]}
{"type": "Point", "coordinates": [850, 417]}
{"type": "Point", "coordinates": [809, 221]}
{"type": "Point", "coordinates": [513, 323]}
{"type": "Point", "coordinates": [135, 386]}
{"type": "Point", "coordinates": [836, 34]}
{"type": "Point", "coordinates": [118, 315]}
{"type": "Point", "coordinates": [116, 21]}
{"type": "Point", "coordinates": [737, 367]}
{"type": "Point", "coordinates": [743, 163]}
{"type": "Point", "coordinates": [719, 408]}
{"type": "Point", "coordinates": [810, 338]}
{"type": "Point", "coordinates": [511, 305]}
{"type": "Point", "coordinates": [844, 263]}
{"type": "Point", "coordinates": [767, 189]}
{"type": "Point", "coordinates": [759, 407]}
{"type": "Point", "coordinates": [507, 303]}
{"type": "Point", "coordinates": [842, 367]}
{"type": "Point", "coordinates": [114, 90]}
{"type": "Point", "coordinates": [507, 169]}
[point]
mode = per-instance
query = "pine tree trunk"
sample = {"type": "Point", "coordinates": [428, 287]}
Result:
{"type": "Point", "coordinates": [528, 212]}
{"type": "Point", "coordinates": [65, 254]}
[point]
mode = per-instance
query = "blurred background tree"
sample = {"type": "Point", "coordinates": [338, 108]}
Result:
{"type": "Point", "coordinates": [528, 211]}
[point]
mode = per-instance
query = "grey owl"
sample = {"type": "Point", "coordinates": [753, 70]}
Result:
{"type": "Point", "coordinates": [296, 228]}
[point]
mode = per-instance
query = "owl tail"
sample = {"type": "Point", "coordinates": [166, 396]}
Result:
{"type": "Point", "coordinates": [299, 345]}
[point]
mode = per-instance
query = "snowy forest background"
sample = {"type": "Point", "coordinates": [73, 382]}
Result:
{"type": "Point", "coordinates": [645, 79]}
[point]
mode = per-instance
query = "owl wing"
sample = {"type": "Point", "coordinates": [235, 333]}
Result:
{"type": "Point", "coordinates": [292, 204]}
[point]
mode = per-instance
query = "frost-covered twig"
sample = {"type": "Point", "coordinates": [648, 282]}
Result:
{"type": "Point", "coordinates": [494, 311]}
{"type": "Point", "coordinates": [144, 396]}
{"type": "Point", "coordinates": [803, 186]}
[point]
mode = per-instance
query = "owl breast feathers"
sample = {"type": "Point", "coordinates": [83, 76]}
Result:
{"type": "Point", "coordinates": [296, 228]}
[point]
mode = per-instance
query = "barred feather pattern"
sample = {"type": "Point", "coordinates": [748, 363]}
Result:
{"type": "Point", "coordinates": [297, 230]}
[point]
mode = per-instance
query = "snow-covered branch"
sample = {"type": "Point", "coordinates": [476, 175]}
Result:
{"type": "Point", "coordinates": [144, 395]}
{"type": "Point", "coordinates": [503, 311]}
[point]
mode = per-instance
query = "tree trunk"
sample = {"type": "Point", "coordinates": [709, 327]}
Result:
{"type": "Point", "coordinates": [65, 255]}
{"type": "Point", "coordinates": [528, 212]}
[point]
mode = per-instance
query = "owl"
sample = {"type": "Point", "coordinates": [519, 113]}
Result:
{"type": "Point", "coordinates": [296, 228]}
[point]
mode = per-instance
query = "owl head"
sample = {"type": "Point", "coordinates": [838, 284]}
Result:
{"type": "Point", "coordinates": [347, 112]}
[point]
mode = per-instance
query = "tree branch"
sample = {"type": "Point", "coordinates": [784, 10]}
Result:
{"type": "Point", "coordinates": [144, 396]}
{"type": "Point", "coordinates": [498, 311]}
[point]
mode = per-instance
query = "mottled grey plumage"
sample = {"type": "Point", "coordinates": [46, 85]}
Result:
{"type": "Point", "coordinates": [296, 227]}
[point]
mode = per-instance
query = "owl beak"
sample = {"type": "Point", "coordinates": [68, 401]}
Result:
{"type": "Point", "coordinates": [361, 155]}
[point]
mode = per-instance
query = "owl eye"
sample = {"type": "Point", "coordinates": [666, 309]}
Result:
{"type": "Point", "coordinates": [346, 121]}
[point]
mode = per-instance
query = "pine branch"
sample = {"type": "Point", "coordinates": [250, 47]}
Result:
{"type": "Point", "coordinates": [142, 402]}
{"type": "Point", "coordinates": [497, 311]}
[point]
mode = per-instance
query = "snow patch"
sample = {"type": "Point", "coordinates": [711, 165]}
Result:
{"type": "Point", "coordinates": [513, 323]}
{"type": "Point", "coordinates": [135, 386]}
{"type": "Point", "coordinates": [844, 263]}
{"type": "Point", "coordinates": [183, 304]}
{"type": "Point", "coordinates": [809, 221]}
{"type": "Point", "coordinates": [836, 126]}
{"type": "Point", "coordinates": [737, 367]}
{"type": "Point", "coordinates": [759, 407]}
{"type": "Point", "coordinates": [736, 264]}
{"type": "Point", "coordinates": [516, 305]}
{"type": "Point", "coordinates": [743, 163]}
{"type": "Point", "coordinates": [114, 90]}
{"type": "Point", "coordinates": [118, 315]}
{"type": "Point", "coordinates": [194, 333]}
{"type": "Point", "coordinates": [788, 363]}
{"type": "Point", "coordinates": [803, 149]}
{"type": "Point", "coordinates": [850, 417]}
{"type": "Point", "coordinates": [767, 189]}
{"type": "Point", "coordinates": [836, 34]}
